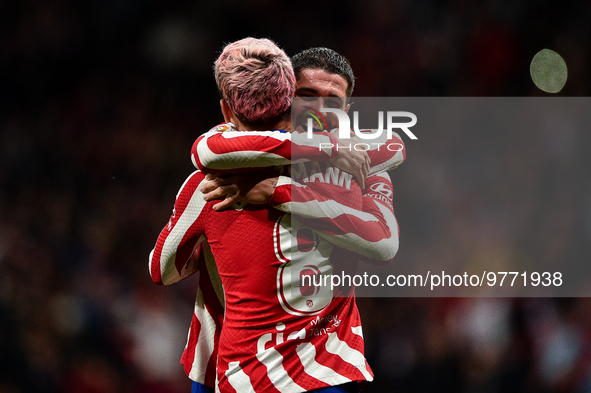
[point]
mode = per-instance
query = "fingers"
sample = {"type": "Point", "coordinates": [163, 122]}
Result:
{"type": "Point", "coordinates": [208, 187]}
{"type": "Point", "coordinates": [364, 167]}
{"type": "Point", "coordinates": [361, 176]}
{"type": "Point", "coordinates": [214, 182]}
{"type": "Point", "coordinates": [220, 191]}
{"type": "Point", "coordinates": [361, 169]}
{"type": "Point", "coordinates": [228, 202]}
{"type": "Point", "coordinates": [356, 162]}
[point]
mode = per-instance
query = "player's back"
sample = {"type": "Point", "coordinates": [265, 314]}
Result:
{"type": "Point", "coordinates": [277, 334]}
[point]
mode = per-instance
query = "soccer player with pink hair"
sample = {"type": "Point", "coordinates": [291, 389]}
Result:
{"type": "Point", "coordinates": [256, 82]}
{"type": "Point", "coordinates": [276, 337]}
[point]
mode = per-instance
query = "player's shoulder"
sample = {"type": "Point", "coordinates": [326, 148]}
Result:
{"type": "Point", "coordinates": [218, 129]}
{"type": "Point", "coordinates": [192, 182]}
{"type": "Point", "coordinates": [226, 126]}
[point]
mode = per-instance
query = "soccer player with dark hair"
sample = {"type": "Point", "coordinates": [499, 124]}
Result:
{"type": "Point", "coordinates": [327, 60]}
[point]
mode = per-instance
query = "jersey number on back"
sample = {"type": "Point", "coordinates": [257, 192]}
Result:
{"type": "Point", "coordinates": [304, 256]}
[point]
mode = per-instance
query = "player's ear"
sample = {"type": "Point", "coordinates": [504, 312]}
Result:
{"type": "Point", "coordinates": [348, 106]}
{"type": "Point", "coordinates": [226, 111]}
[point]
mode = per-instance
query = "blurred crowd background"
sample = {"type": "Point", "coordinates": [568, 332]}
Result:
{"type": "Point", "coordinates": [100, 102]}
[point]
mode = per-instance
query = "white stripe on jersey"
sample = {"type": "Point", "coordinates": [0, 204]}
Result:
{"type": "Point", "coordinates": [238, 379]}
{"type": "Point", "coordinates": [389, 164]}
{"type": "Point", "coordinates": [168, 271]}
{"type": "Point", "coordinates": [273, 360]}
{"type": "Point", "coordinates": [205, 339]}
{"type": "Point", "coordinates": [352, 356]}
{"type": "Point", "coordinates": [276, 242]}
{"type": "Point", "coordinates": [329, 208]}
{"type": "Point", "coordinates": [357, 330]}
{"type": "Point", "coordinates": [307, 354]}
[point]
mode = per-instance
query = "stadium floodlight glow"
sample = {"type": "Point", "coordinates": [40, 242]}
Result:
{"type": "Point", "coordinates": [345, 124]}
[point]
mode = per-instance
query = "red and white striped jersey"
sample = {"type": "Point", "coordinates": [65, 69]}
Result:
{"type": "Point", "coordinates": [323, 214]}
{"type": "Point", "coordinates": [277, 336]}
{"type": "Point", "coordinates": [342, 222]}
{"type": "Point", "coordinates": [256, 149]}
{"type": "Point", "coordinates": [201, 351]}
{"type": "Point", "coordinates": [223, 149]}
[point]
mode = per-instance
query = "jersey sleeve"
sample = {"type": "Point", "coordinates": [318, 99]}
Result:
{"type": "Point", "coordinates": [385, 154]}
{"type": "Point", "coordinates": [173, 259]}
{"type": "Point", "coordinates": [371, 232]}
{"type": "Point", "coordinates": [225, 150]}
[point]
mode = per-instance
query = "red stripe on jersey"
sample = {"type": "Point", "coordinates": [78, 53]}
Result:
{"type": "Point", "coordinates": [195, 156]}
{"type": "Point", "coordinates": [297, 373]}
{"type": "Point", "coordinates": [155, 271]}
{"type": "Point", "coordinates": [220, 145]}
{"type": "Point", "coordinates": [344, 369]}
{"type": "Point", "coordinates": [189, 352]}
{"type": "Point", "coordinates": [281, 195]}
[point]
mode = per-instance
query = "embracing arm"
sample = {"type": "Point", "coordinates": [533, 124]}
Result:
{"type": "Point", "coordinates": [385, 154]}
{"type": "Point", "coordinates": [371, 232]}
{"type": "Point", "coordinates": [224, 149]}
{"type": "Point", "coordinates": [173, 257]}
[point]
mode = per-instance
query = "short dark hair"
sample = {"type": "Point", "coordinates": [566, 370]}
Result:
{"type": "Point", "coordinates": [327, 60]}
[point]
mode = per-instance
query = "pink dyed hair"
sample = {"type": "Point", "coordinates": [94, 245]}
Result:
{"type": "Point", "coordinates": [256, 79]}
